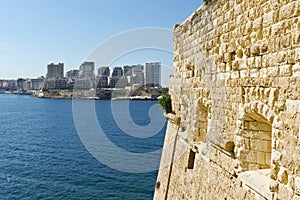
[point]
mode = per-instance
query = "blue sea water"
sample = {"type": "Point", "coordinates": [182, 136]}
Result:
{"type": "Point", "coordinates": [42, 156]}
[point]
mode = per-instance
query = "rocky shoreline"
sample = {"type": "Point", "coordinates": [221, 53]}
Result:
{"type": "Point", "coordinates": [104, 94]}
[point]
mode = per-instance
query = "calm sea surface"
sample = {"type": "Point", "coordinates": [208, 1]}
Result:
{"type": "Point", "coordinates": [42, 156]}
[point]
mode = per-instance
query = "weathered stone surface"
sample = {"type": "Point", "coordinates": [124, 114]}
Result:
{"type": "Point", "coordinates": [236, 97]}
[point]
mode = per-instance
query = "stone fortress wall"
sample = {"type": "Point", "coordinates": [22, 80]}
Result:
{"type": "Point", "coordinates": [235, 94]}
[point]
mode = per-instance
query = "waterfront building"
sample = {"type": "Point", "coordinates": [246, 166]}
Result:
{"type": "Point", "coordinates": [27, 85]}
{"type": "Point", "coordinates": [117, 72]}
{"type": "Point", "coordinates": [127, 70]}
{"type": "Point", "coordinates": [72, 74]}
{"type": "Point", "coordinates": [86, 70]}
{"type": "Point", "coordinates": [20, 84]}
{"type": "Point", "coordinates": [122, 82]}
{"type": "Point", "coordinates": [83, 84]}
{"type": "Point", "coordinates": [10, 84]}
{"type": "Point", "coordinates": [102, 78]}
{"type": "Point", "coordinates": [137, 76]}
{"type": "Point", "coordinates": [104, 71]}
{"type": "Point", "coordinates": [101, 81]}
{"type": "Point", "coordinates": [113, 80]}
{"type": "Point", "coordinates": [37, 84]}
{"type": "Point", "coordinates": [55, 84]}
{"type": "Point", "coordinates": [118, 82]}
{"type": "Point", "coordinates": [152, 74]}
{"type": "Point", "coordinates": [55, 71]}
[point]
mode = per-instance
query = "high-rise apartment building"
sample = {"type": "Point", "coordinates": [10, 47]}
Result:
{"type": "Point", "coordinates": [152, 74]}
{"type": "Point", "coordinates": [72, 74]}
{"type": "Point", "coordinates": [37, 84]}
{"type": "Point", "coordinates": [127, 70]}
{"type": "Point", "coordinates": [86, 70]}
{"type": "Point", "coordinates": [55, 71]}
{"type": "Point", "coordinates": [137, 75]}
{"type": "Point", "coordinates": [117, 72]}
{"type": "Point", "coordinates": [102, 78]}
{"type": "Point", "coordinates": [20, 83]}
{"type": "Point", "coordinates": [103, 71]}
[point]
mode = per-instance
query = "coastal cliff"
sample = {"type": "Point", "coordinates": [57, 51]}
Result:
{"type": "Point", "coordinates": [234, 131]}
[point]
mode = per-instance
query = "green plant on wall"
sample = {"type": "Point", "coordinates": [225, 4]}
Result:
{"type": "Point", "coordinates": [165, 103]}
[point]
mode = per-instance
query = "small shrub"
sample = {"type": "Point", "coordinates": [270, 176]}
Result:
{"type": "Point", "coordinates": [165, 103]}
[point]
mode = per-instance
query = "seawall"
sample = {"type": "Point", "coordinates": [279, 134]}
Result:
{"type": "Point", "coordinates": [235, 94]}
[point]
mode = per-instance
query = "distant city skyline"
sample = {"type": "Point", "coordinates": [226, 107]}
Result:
{"type": "Point", "coordinates": [147, 75]}
{"type": "Point", "coordinates": [35, 33]}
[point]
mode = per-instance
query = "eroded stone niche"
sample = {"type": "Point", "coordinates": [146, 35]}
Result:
{"type": "Point", "coordinates": [253, 146]}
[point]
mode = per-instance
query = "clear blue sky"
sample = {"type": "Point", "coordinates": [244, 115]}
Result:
{"type": "Point", "coordinates": [37, 32]}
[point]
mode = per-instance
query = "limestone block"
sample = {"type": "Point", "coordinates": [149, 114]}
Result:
{"type": "Point", "coordinates": [271, 46]}
{"type": "Point", "coordinates": [296, 39]}
{"type": "Point", "coordinates": [220, 142]}
{"type": "Point", "coordinates": [231, 47]}
{"type": "Point", "coordinates": [268, 19]}
{"type": "Point", "coordinates": [235, 65]}
{"type": "Point", "coordinates": [292, 106]}
{"type": "Point", "coordinates": [283, 175]}
{"type": "Point", "coordinates": [277, 29]}
{"type": "Point", "coordinates": [268, 158]}
{"type": "Point", "coordinates": [239, 53]}
{"type": "Point", "coordinates": [227, 57]}
{"type": "Point", "coordinates": [255, 50]}
{"type": "Point", "coordinates": [251, 62]}
{"type": "Point", "coordinates": [258, 62]}
{"type": "Point", "coordinates": [238, 10]}
{"type": "Point", "coordinates": [271, 59]}
{"type": "Point", "coordinates": [261, 158]}
{"type": "Point", "coordinates": [281, 57]}
{"type": "Point", "coordinates": [286, 41]}
{"type": "Point", "coordinates": [253, 166]}
{"type": "Point", "coordinates": [287, 11]}
{"type": "Point", "coordinates": [254, 73]}
{"type": "Point", "coordinates": [263, 72]}
{"type": "Point", "coordinates": [259, 126]}
{"type": "Point", "coordinates": [297, 184]}
{"type": "Point", "coordinates": [239, 141]}
{"type": "Point", "coordinates": [272, 71]}
{"type": "Point", "coordinates": [291, 57]}
{"type": "Point", "coordinates": [247, 52]}
{"type": "Point", "coordinates": [277, 156]}
{"type": "Point", "coordinates": [223, 76]}
{"type": "Point", "coordinates": [264, 47]}
{"type": "Point", "coordinates": [247, 28]}
{"type": "Point", "coordinates": [239, 20]}
{"type": "Point", "coordinates": [251, 157]}
{"type": "Point", "coordinates": [285, 70]}
{"type": "Point", "coordinates": [257, 24]}
{"type": "Point", "coordinates": [235, 75]}
{"type": "Point", "coordinates": [296, 69]}
{"type": "Point", "coordinates": [266, 33]}
{"type": "Point", "coordinates": [173, 118]}
{"type": "Point", "coordinates": [270, 114]}
{"type": "Point", "coordinates": [260, 145]}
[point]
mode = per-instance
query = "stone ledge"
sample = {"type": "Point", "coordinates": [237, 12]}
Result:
{"type": "Point", "coordinates": [258, 181]}
{"type": "Point", "coordinates": [219, 141]}
{"type": "Point", "coordinates": [172, 117]}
